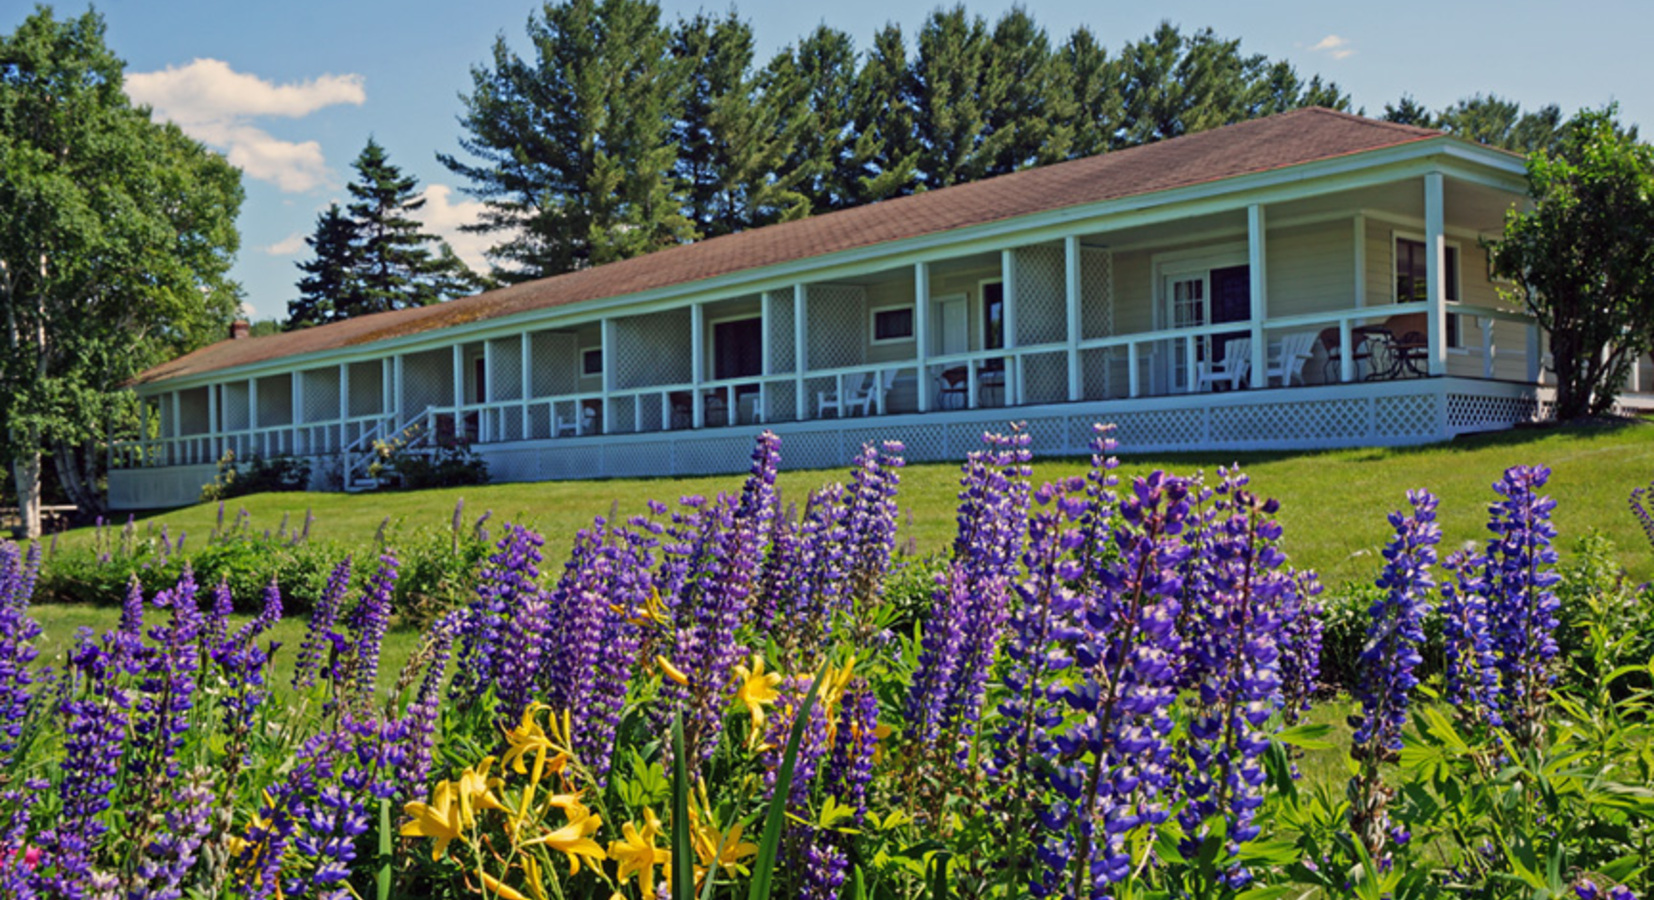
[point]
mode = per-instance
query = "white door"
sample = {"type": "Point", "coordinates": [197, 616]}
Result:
{"type": "Point", "coordinates": [1186, 301]}
{"type": "Point", "coordinates": [956, 329]}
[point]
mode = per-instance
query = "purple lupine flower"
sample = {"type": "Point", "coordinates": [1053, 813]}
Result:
{"type": "Point", "coordinates": [1111, 766]}
{"type": "Point", "coordinates": [132, 608]}
{"type": "Point", "coordinates": [807, 576]}
{"type": "Point", "coordinates": [1240, 609]}
{"type": "Point", "coordinates": [1522, 607]}
{"type": "Point", "coordinates": [1387, 665]}
{"type": "Point", "coordinates": [95, 725]}
{"type": "Point", "coordinates": [1034, 660]}
{"type": "Point", "coordinates": [368, 622]}
{"type": "Point", "coordinates": [216, 623]}
{"type": "Point", "coordinates": [1300, 639]}
{"type": "Point", "coordinates": [627, 565]}
{"type": "Point", "coordinates": [812, 745]}
{"type": "Point", "coordinates": [271, 832]}
{"type": "Point", "coordinates": [319, 637]}
{"type": "Point", "coordinates": [18, 632]}
{"type": "Point", "coordinates": [1397, 628]}
{"type": "Point", "coordinates": [1472, 671]}
{"type": "Point", "coordinates": [421, 715]}
{"type": "Point", "coordinates": [874, 478]}
{"type": "Point", "coordinates": [823, 863]}
{"type": "Point", "coordinates": [1640, 510]}
{"type": "Point", "coordinates": [971, 603]}
{"type": "Point", "coordinates": [525, 623]}
{"type": "Point", "coordinates": [850, 768]}
{"type": "Point", "coordinates": [573, 625]}
{"type": "Point", "coordinates": [166, 688]}
{"type": "Point", "coordinates": [16, 879]}
{"type": "Point", "coordinates": [714, 604]}
{"type": "Point", "coordinates": [168, 858]}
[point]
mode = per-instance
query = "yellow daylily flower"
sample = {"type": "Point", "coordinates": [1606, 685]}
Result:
{"type": "Point", "coordinates": [755, 688]}
{"type": "Point", "coordinates": [638, 854]}
{"type": "Point", "coordinates": [671, 671]}
{"type": "Point", "coordinates": [723, 849]}
{"type": "Point", "coordinates": [535, 877]}
{"type": "Point", "coordinates": [500, 888]}
{"type": "Point", "coordinates": [528, 737]}
{"type": "Point", "coordinates": [440, 819]}
{"type": "Point", "coordinates": [474, 790]}
{"type": "Point", "coordinates": [652, 612]}
{"type": "Point", "coordinates": [574, 839]}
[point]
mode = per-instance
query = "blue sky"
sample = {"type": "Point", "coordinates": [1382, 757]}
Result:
{"type": "Point", "coordinates": [290, 91]}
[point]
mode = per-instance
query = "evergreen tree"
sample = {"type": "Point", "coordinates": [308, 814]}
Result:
{"type": "Point", "coordinates": [575, 160]}
{"type": "Point", "coordinates": [1032, 121]}
{"type": "Point", "coordinates": [732, 158]}
{"type": "Point", "coordinates": [1408, 111]}
{"type": "Point", "coordinates": [393, 264]}
{"type": "Point", "coordinates": [329, 282]}
{"type": "Point", "coordinates": [884, 157]}
{"type": "Point", "coordinates": [811, 89]}
{"type": "Point", "coordinates": [1498, 122]}
{"type": "Point", "coordinates": [372, 256]}
{"type": "Point", "coordinates": [1097, 98]}
{"type": "Point", "coordinates": [952, 93]}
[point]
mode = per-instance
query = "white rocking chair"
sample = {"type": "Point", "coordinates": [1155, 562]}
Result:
{"type": "Point", "coordinates": [574, 427]}
{"type": "Point", "coordinates": [1287, 360]}
{"type": "Point", "coordinates": [860, 398]}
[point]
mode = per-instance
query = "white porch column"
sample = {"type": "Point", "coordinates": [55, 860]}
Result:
{"type": "Point", "coordinates": [1360, 294]}
{"type": "Point", "coordinates": [387, 375]}
{"type": "Point", "coordinates": [344, 404]}
{"type": "Point", "coordinates": [295, 430]}
{"type": "Point", "coordinates": [921, 334]}
{"type": "Point", "coordinates": [697, 364]}
{"type": "Point", "coordinates": [1535, 348]}
{"type": "Point", "coordinates": [605, 349]}
{"type": "Point", "coordinates": [212, 420]}
{"type": "Point", "coordinates": [1435, 271]}
{"type": "Point", "coordinates": [801, 346]}
{"type": "Point", "coordinates": [1071, 284]}
{"type": "Point", "coordinates": [766, 349]}
{"type": "Point", "coordinates": [526, 354]}
{"type": "Point", "coordinates": [398, 398]}
{"type": "Point", "coordinates": [1008, 292]}
{"type": "Point", "coordinates": [485, 417]}
{"type": "Point", "coordinates": [252, 418]}
{"type": "Point", "coordinates": [459, 382]}
{"type": "Point", "coordinates": [1257, 260]}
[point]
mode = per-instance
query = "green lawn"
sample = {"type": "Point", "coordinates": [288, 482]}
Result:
{"type": "Point", "coordinates": [1333, 504]}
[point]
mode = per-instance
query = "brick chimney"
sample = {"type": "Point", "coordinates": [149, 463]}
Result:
{"type": "Point", "coordinates": [239, 329]}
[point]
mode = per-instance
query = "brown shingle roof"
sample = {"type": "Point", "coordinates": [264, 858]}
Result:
{"type": "Point", "coordinates": [1289, 139]}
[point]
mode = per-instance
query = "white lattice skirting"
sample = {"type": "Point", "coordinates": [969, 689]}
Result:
{"type": "Point", "coordinates": [1384, 413]}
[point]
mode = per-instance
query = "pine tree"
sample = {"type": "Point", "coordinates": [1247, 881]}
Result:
{"type": "Point", "coordinates": [575, 157]}
{"type": "Point", "coordinates": [329, 282]}
{"type": "Point", "coordinates": [883, 160]}
{"type": "Point", "coordinates": [810, 88]}
{"type": "Point", "coordinates": [952, 96]}
{"type": "Point", "coordinates": [393, 264]}
{"type": "Point", "coordinates": [1097, 98]}
{"type": "Point", "coordinates": [1032, 120]}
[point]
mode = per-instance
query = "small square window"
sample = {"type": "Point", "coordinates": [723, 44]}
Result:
{"type": "Point", "coordinates": [893, 324]}
{"type": "Point", "coordinates": [591, 361]}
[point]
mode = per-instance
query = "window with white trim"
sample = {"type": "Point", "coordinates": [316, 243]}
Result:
{"type": "Point", "coordinates": [1413, 282]}
{"type": "Point", "coordinates": [892, 324]}
{"type": "Point", "coordinates": [591, 361]}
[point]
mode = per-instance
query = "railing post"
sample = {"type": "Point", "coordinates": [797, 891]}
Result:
{"type": "Point", "coordinates": [1257, 263]}
{"type": "Point", "coordinates": [1071, 286]}
{"type": "Point", "coordinates": [1487, 346]}
{"type": "Point", "coordinates": [921, 333]}
{"type": "Point", "coordinates": [697, 324]}
{"type": "Point", "coordinates": [1191, 364]}
{"type": "Point", "coordinates": [1346, 353]}
{"type": "Point", "coordinates": [1132, 378]}
{"type": "Point", "coordinates": [1360, 260]}
{"type": "Point", "coordinates": [526, 354]}
{"type": "Point", "coordinates": [1535, 348]}
{"type": "Point", "coordinates": [344, 406]}
{"type": "Point", "coordinates": [1008, 294]}
{"type": "Point", "coordinates": [1435, 271]}
{"type": "Point", "coordinates": [801, 348]}
{"type": "Point", "coordinates": [605, 349]}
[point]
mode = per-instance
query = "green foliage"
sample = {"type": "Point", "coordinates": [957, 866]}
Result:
{"type": "Point", "coordinates": [402, 467]}
{"type": "Point", "coordinates": [115, 247]}
{"type": "Point", "coordinates": [373, 257]}
{"type": "Point", "coordinates": [256, 475]}
{"type": "Point", "coordinates": [1582, 258]}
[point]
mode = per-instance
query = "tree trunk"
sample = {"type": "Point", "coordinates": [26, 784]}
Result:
{"type": "Point", "coordinates": [75, 478]}
{"type": "Point", "coordinates": [26, 474]}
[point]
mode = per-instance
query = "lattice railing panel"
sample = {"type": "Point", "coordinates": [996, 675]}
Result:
{"type": "Point", "coordinates": [232, 406]}
{"type": "Point", "coordinates": [1041, 295]}
{"type": "Point", "coordinates": [539, 421]}
{"type": "Point", "coordinates": [709, 455]}
{"type": "Point", "coordinates": [367, 388]}
{"type": "Point", "coordinates": [1045, 377]}
{"type": "Point", "coordinates": [837, 326]}
{"type": "Point", "coordinates": [651, 349]}
{"type": "Point", "coordinates": [275, 400]}
{"type": "Point", "coordinates": [623, 416]}
{"type": "Point", "coordinates": [320, 394]}
{"type": "Point", "coordinates": [1165, 428]}
{"type": "Point", "coordinates": [1049, 435]}
{"type": "Point", "coordinates": [505, 369]}
{"type": "Point", "coordinates": [1467, 412]}
{"type": "Point", "coordinates": [427, 380]}
{"type": "Point", "coordinates": [811, 450]}
{"type": "Point", "coordinates": [1103, 374]}
{"type": "Point", "coordinates": [782, 405]}
{"type": "Point", "coordinates": [192, 411]}
{"type": "Point", "coordinates": [650, 415]}
{"type": "Point", "coordinates": [783, 347]}
{"type": "Point", "coordinates": [1409, 415]}
{"type": "Point", "coordinates": [553, 358]}
{"type": "Point", "coordinates": [1096, 293]}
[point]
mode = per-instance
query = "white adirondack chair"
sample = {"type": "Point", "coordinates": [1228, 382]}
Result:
{"type": "Point", "coordinates": [1287, 359]}
{"type": "Point", "coordinates": [1233, 368]}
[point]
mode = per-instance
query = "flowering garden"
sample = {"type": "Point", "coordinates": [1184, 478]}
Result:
{"type": "Point", "coordinates": [1110, 690]}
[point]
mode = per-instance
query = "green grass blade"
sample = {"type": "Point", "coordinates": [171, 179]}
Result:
{"type": "Point", "coordinates": [382, 878]}
{"type": "Point", "coordinates": [683, 851]}
{"type": "Point", "coordinates": [763, 867]}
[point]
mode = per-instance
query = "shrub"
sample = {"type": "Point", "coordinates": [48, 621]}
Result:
{"type": "Point", "coordinates": [256, 475]}
{"type": "Point", "coordinates": [448, 464]}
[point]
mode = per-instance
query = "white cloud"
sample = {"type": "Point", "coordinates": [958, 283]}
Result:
{"type": "Point", "coordinates": [214, 103]}
{"type": "Point", "coordinates": [292, 245]}
{"type": "Point", "coordinates": [443, 215]}
{"type": "Point", "coordinates": [1334, 46]}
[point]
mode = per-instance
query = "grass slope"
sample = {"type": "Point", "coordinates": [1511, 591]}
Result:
{"type": "Point", "coordinates": [1333, 504]}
